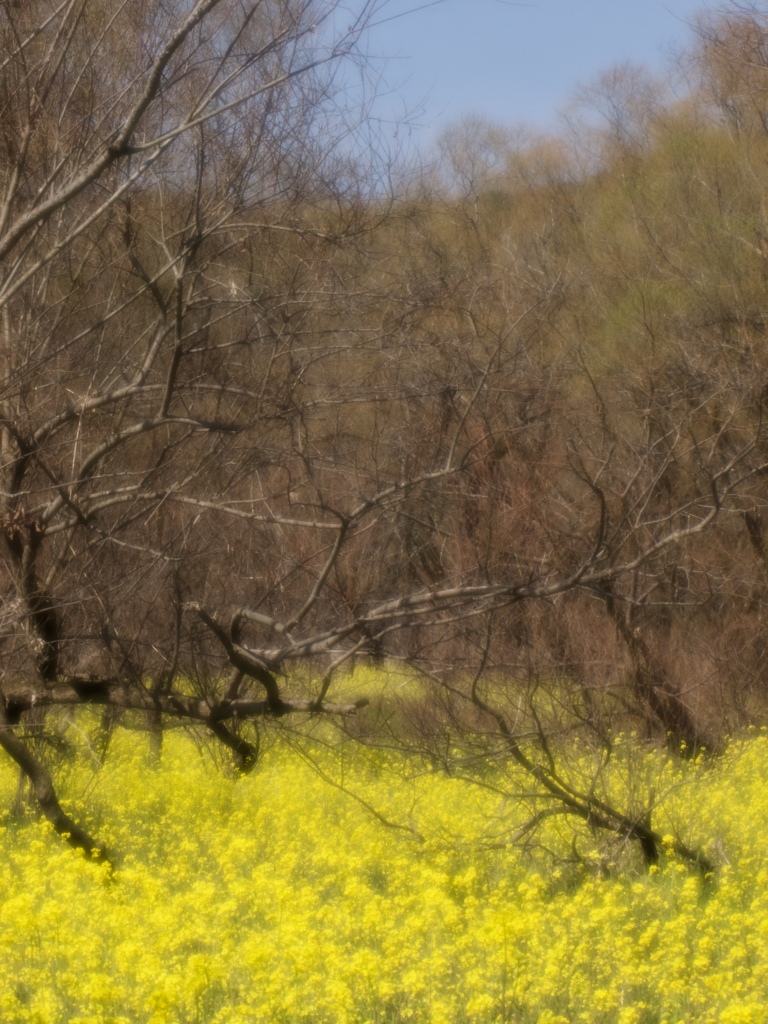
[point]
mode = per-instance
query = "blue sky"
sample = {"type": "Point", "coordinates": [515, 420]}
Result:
{"type": "Point", "coordinates": [516, 62]}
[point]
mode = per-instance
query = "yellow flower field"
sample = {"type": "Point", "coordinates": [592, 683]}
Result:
{"type": "Point", "coordinates": [278, 898]}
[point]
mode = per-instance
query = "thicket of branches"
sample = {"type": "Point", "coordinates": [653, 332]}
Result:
{"type": "Point", "coordinates": [269, 407]}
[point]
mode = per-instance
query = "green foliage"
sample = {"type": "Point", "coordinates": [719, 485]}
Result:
{"type": "Point", "coordinates": [277, 898]}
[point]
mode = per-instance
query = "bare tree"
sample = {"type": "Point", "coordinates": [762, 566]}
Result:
{"type": "Point", "coordinates": [167, 172]}
{"type": "Point", "coordinates": [256, 417]}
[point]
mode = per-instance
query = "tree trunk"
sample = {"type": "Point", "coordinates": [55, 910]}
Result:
{"type": "Point", "coordinates": [42, 786]}
{"type": "Point", "coordinates": [654, 688]}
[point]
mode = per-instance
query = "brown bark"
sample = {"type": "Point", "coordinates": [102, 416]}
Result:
{"type": "Point", "coordinates": [654, 688]}
{"type": "Point", "coordinates": [245, 753]}
{"type": "Point", "coordinates": [43, 788]}
{"type": "Point", "coordinates": [73, 692]}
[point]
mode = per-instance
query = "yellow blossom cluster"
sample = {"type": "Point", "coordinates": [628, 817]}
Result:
{"type": "Point", "coordinates": [278, 899]}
